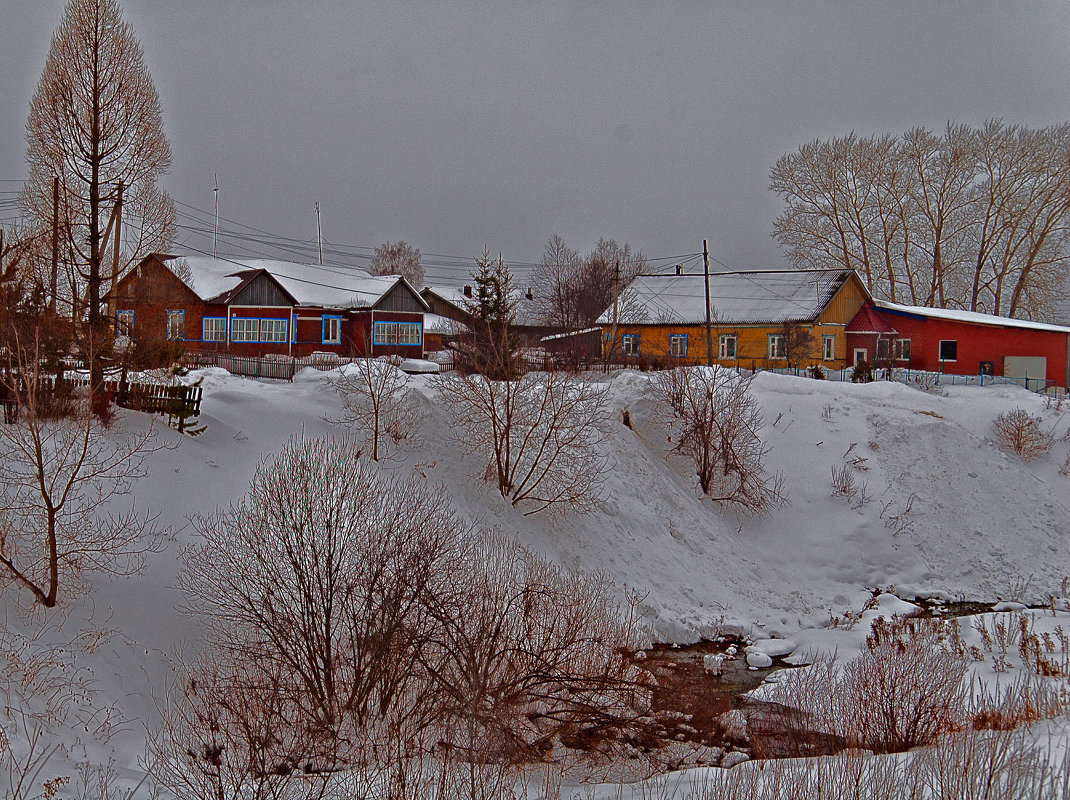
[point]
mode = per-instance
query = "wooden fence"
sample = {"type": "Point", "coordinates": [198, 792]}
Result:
{"type": "Point", "coordinates": [277, 367]}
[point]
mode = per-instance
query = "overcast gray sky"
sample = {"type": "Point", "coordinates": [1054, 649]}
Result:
{"type": "Point", "coordinates": [451, 125]}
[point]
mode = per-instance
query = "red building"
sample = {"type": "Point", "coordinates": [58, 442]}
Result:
{"type": "Point", "coordinates": [960, 342]}
{"type": "Point", "coordinates": [260, 307]}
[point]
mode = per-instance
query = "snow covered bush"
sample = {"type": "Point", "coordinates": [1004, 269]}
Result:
{"type": "Point", "coordinates": [372, 406]}
{"type": "Point", "coordinates": [716, 422]}
{"type": "Point", "coordinates": [1024, 434]}
{"type": "Point", "coordinates": [541, 435]}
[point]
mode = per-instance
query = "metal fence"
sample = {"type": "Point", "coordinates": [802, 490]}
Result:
{"type": "Point", "coordinates": [925, 379]}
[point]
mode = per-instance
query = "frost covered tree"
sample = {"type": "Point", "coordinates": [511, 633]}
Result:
{"type": "Point", "coordinates": [715, 421]}
{"type": "Point", "coordinates": [95, 123]}
{"type": "Point", "coordinates": [398, 259]}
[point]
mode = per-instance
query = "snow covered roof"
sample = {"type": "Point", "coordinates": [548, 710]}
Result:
{"type": "Point", "coordinates": [746, 297]}
{"type": "Point", "coordinates": [309, 284]}
{"type": "Point", "coordinates": [526, 313]}
{"type": "Point", "coordinates": [972, 317]}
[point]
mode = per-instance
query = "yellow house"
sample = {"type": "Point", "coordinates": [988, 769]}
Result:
{"type": "Point", "coordinates": [758, 319]}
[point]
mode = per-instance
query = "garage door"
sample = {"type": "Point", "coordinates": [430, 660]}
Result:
{"type": "Point", "coordinates": [1029, 371]}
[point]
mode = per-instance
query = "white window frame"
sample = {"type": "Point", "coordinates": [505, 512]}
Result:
{"type": "Point", "coordinates": [214, 329]}
{"type": "Point", "coordinates": [776, 350]}
{"type": "Point", "coordinates": [274, 330]}
{"type": "Point", "coordinates": [331, 331]}
{"type": "Point", "coordinates": [245, 329]}
{"type": "Point", "coordinates": [940, 351]}
{"type": "Point", "coordinates": [629, 344]}
{"type": "Point", "coordinates": [884, 349]}
{"type": "Point", "coordinates": [723, 342]}
{"type": "Point", "coordinates": [828, 347]}
{"type": "Point", "coordinates": [675, 340]}
{"type": "Point", "coordinates": [176, 331]}
{"type": "Point", "coordinates": [901, 346]}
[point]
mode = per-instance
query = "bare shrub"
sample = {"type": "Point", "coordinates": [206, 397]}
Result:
{"type": "Point", "coordinates": [903, 690]}
{"type": "Point", "coordinates": [540, 434]}
{"type": "Point", "coordinates": [1023, 434]}
{"type": "Point", "coordinates": [372, 406]}
{"type": "Point", "coordinates": [356, 623]}
{"type": "Point", "coordinates": [843, 482]}
{"type": "Point", "coordinates": [716, 422]}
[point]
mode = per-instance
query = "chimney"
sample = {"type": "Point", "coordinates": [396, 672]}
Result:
{"type": "Point", "coordinates": [679, 269]}
{"type": "Point", "coordinates": [468, 290]}
{"type": "Point", "coordinates": [529, 295]}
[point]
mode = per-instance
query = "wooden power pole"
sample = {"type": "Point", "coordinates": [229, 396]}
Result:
{"type": "Point", "coordinates": [706, 278]}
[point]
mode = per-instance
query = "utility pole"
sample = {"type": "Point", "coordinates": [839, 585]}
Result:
{"type": "Point", "coordinates": [706, 279]}
{"type": "Point", "coordinates": [616, 306]}
{"type": "Point", "coordinates": [53, 283]}
{"type": "Point", "coordinates": [117, 218]}
{"type": "Point", "coordinates": [319, 233]}
{"type": "Point", "coordinates": [215, 230]}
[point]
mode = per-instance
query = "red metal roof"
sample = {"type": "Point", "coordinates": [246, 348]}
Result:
{"type": "Point", "coordinates": [869, 320]}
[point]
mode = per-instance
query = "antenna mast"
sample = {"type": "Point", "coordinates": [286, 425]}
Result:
{"type": "Point", "coordinates": [319, 233]}
{"type": "Point", "coordinates": [215, 230]}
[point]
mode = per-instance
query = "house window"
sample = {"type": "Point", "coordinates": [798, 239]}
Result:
{"type": "Point", "coordinates": [243, 329]}
{"type": "Point", "coordinates": [124, 323]}
{"type": "Point", "coordinates": [214, 329]}
{"type": "Point", "coordinates": [828, 347]}
{"type": "Point", "coordinates": [678, 345]}
{"type": "Point", "coordinates": [902, 350]}
{"type": "Point", "coordinates": [274, 330]}
{"type": "Point", "coordinates": [332, 330]}
{"type": "Point", "coordinates": [883, 348]}
{"type": "Point", "coordinates": [949, 350]}
{"type": "Point", "coordinates": [776, 346]}
{"type": "Point", "coordinates": [176, 324]}
{"type": "Point", "coordinates": [629, 344]}
{"type": "Point", "coordinates": [407, 333]}
{"type": "Point", "coordinates": [726, 346]}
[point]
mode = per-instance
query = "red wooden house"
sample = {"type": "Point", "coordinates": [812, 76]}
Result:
{"type": "Point", "coordinates": [961, 342]}
{"type": "Point", "coordinates": [261, 307]}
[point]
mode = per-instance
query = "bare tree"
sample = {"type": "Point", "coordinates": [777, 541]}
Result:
{"type": "Point", "coordinates": [539, 433]}
{"type": "Point", "coordinates": [372, 405]}
{"type": "Point", "coordinates": [715, 422]}
{"type": "Point", "coordinates": [573, 291]}
{"type": "Point", "coordinates": [62, 468]}
{"type": "Point", "coordinates": [95, 122]}
{"type": "Point", "coordinates": [975, 219]}
{"type": "Point", "coordinates": [398, 259]}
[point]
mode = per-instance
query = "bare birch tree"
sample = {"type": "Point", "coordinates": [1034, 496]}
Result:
{"type": "Point", "coordinates": [974, 219]}
{"type": "Point", "coordinates": [372, 406]}
{"type": "Point", "coordinates": [398, 259]}
{"type": "Point", "coordinates": [716, 422]}
{"type": "Point", "coordinates": [95, 123]}
{"type": "Point", "coordinates": [540, 434]}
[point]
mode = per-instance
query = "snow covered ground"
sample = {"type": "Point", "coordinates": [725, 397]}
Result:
{"type": "Point", "coordinates": [947, 511]}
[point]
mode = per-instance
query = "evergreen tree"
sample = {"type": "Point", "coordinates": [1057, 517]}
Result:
{"type": "Point", "coordinates": [491, 346]}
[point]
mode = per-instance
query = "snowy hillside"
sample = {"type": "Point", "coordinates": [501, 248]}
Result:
{"type": "Point", "coordinates": [945, 510]}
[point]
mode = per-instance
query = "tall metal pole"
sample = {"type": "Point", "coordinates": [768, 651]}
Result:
{"type": "Point", "coordinates": [319, 233]}
{"type": "Point", "coordinates": [215, 230]}
{"type": "Point", "coordinates": [706, 278]}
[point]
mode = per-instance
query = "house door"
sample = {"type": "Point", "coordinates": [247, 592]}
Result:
{"type": "Point", "coordinates": [860, 355]}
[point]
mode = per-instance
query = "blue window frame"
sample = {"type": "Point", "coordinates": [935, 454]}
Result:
{"type": "Point", "coordinates": [176, 323]}
{"type": "Point", "coordinates": [214, 329]}
{"type": "Point", "coordinates": [124, 322]}
{"type": "Point", "coordinates": [332, 329]}
{"type": "Point", "coordinates": [403, 333]}
{"type": "Point", "coordinates": [629, 344]}
{"type": "Point", "coordinates": [678, 345]}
